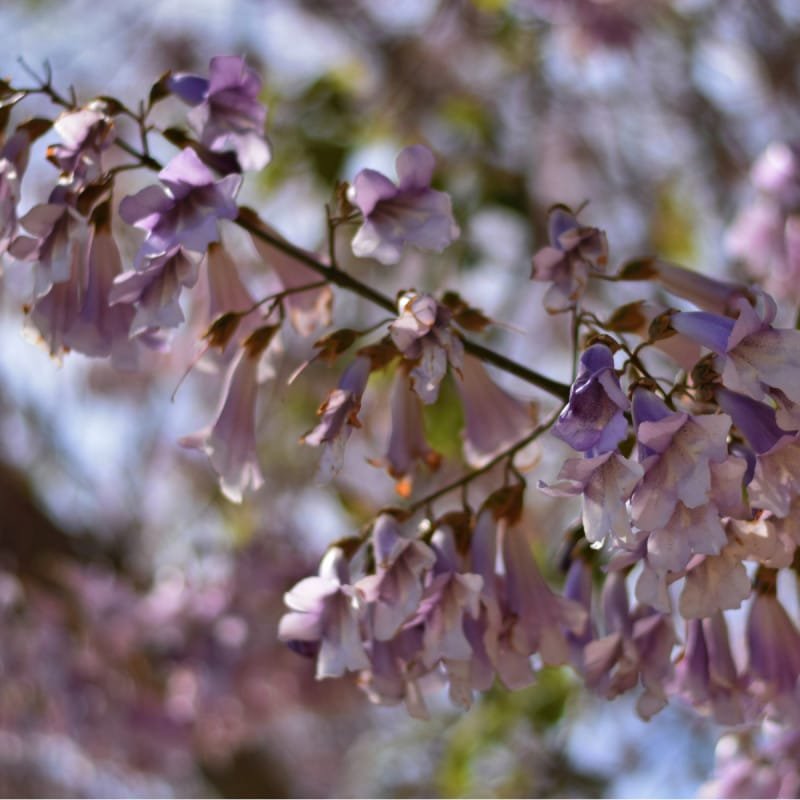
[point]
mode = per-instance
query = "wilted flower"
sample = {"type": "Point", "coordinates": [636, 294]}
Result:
{"type": "Point", "coordinates": [184, 210]}
{"type": "Point", "coordinates": [423, 335]}
{"type": "Point", "coordinates": [326, 610]}
{"type": "Point", "coordinates": [574, 251]}
{"type": "Point", "coordinates": [407, 213]}
{"type": "Point", "coordinates": [593, 420]}
{"type": "Point", "coordinates": [227, 113]}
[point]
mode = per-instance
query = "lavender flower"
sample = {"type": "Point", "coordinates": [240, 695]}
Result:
{"type": "Point", "coordinates": [593, 420]}
{"type": "Point", "coordinates": [155, 289]}
{"type": "Point", "coordinates": [339, 415]}
{"type": "Point", "coordinates": [325, 610]}
{"type": "Point", "coordinates": [230, 441]}
{"type": "Point", "coordinates": [227, 114]}
{"type": "Point", "coordinates": [422, 334]}
{"type": "Point", "coordinates": [714, 583]}
{"type": "Point", "coordinates": [394, 591]}
{"type": "Point", "coordinates": [494, 419]}
{"type": "Point", "coordinates": [85, 134]}
{"type": "Point", "coordinates": [407, 443]}
{"type": "Point", "coordinates": [605, 484]}
{"type": "Point", "coordinates": [13, 160]}
{"type": "Point", "coordinates": [184, 210]}
{"type": "Point", "coordinates": [574, 252]}
{"type": "Point", "coordinates": [407, 213]}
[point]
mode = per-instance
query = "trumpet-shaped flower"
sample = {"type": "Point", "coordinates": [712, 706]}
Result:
{"type": "Point", "coordinates": [409, 212]}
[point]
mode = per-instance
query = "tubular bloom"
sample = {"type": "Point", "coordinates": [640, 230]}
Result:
{"type": "Point", "coordinates": [227, 114]}
{"type": "Point", "coordinates": [574, 252]}
{"type": "Point", "coordinates": [409, 212]}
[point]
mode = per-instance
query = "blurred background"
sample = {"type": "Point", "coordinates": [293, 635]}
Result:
{"type": "Point", "coordinates": [138, 608]}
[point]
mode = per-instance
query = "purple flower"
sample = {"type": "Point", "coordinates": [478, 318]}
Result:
{"type": "Point", "coordinates": [494, 420]}
{"type": "Point", "coordinates": [407, 443]}
{"type": "Point", "coordinates": [227, 113]}
{"type": "Point", "coordinates": [13, 160]}
{"type": "Point", "coordinates": [407, 213]}
{"type": "Point", "coordinates": [326, 610]}
{"type": "Point", "coordinates": [184, 210]}
{"type": "Point", "coordinates": [714, 583]}
{"type": "Point", "coordinates": [101, 329]}
{"type": "Point", "coordinates": [605, 484]}
{"type": "Point", "coordinates": [574, 251]}
{"type": "Point", "coordinates": [423, 335]}
{"type": "Point", "coordinates": [53, 226]}
{"type": "Point", "coordinates": [230, 442]}
{"type": "Point", "coordinates": [339, 415]}
{"type": "Point", "coordinates": [394, 591]}
{"type": "Point", "coordinates": [155, 289]}
{"type": "Point", "coordinates": [593, 421]}
{"type": "Point", "coordinates": [705, 292]}
{"type": "Point", "coordinates": [308, 310]}
{"type": "Point", "coordinates": [707, 674]}
{"type": "Point", "coordinates": [773, 644]}
{"type": "Point", "coordinates": [543, 618]}
{"type": "Point", "coordinates": [85, 134]}
{"type": "Point", "coordinates": [754, 355]}
{"type": "Point", "coordinates": [676, 452]}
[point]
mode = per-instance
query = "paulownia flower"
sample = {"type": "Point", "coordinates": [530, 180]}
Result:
{"type": "Point", "coordinates": [227, 114]}
{"type": "Point", "coordinates": [409, 212]}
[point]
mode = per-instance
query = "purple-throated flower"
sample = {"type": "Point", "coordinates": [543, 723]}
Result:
{"type": "Point", "coordinates": [183, 210]}
{"type": "Point", "coordinates": [325, 611]}
{"type": "Point", "coordinates": [409, 212]}
{"type": "Point", "coordinates": [227, 114]}
{"type": "Point", "coordinates": [85, 134]}
{"type": "Point", "coordinates": [423, 335]}
{"type": "Point", "coordinates": [593, 421]}
{"type": "Point", "coordinates": [574, 252]}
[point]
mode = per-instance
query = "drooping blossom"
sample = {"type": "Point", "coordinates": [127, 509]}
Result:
{"type": "Point", "coordinates": [423, 335]}
{"type": "Point", "coordinates": [54, 226]}
{"type": "Point", "coordinates": [605, 484]}
{"type": "Point", "coordinates": [707, 675]}
{"type": "Point", "coordinates": [227, 114]}
{"type": "Point", "coordinates": [325, 613]}
{"type": "Point", "coordinates": [407, 443]}
{"type": "Point", "coordinates": [710, 294]}
{"type": "Point", "coordinates": [714, 583]}
{"type": "Point", "coordinates": [184, 210]}
{"type": "Point", "coordinates": [636, 647]}
{"type": "Point", "coordinates": [308, 310]}
{"type": "Point", "coordinates": [406, 213]}
{"type": "Point", "coordinates": [154, 289]}
{"type": "Point", "coordinates": [593, 421]}
{"type": "Point", "coordinates": [102, 329]}
{"type": "Point", "coordinates": [338, 416]}
{"type": "Point", "coordinates": [754, 356]}
{"type": "Point", "coordinates": [393, 592]}
{"type": "Point", "coordinates": [773, 644]}
{"type": "Point", "coordinates": [230, 441]}
{"type": "Point", "coordinates": [13, 161]}
{"type": "Point", "coordinates": [494, 419]}
{"type": "Point", "coordinates": [543, 619]}
{"type": "Point", "coordinates": [676, 450]}
{"type": "Point", "coordinates": [574, 252]}
{"type": "Point", "coordinates": [85, 134]}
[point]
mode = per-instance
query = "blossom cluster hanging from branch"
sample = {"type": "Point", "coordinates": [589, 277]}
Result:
{"type": "Point", "coordinates": [685, 419]}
